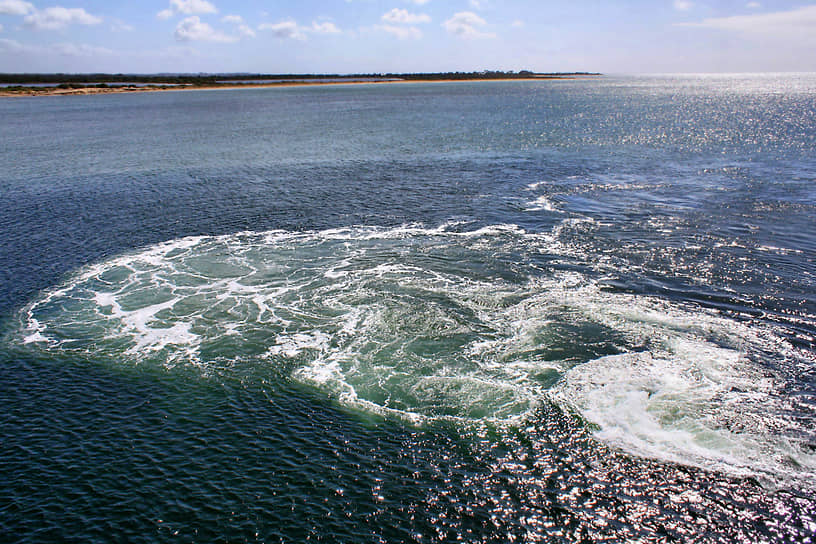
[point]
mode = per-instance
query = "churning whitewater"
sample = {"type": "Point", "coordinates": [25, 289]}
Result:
{"type": "Point", "coordinates": [425, 324]}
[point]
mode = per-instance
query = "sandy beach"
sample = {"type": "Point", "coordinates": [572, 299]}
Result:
{"type": "Point", "coordinates": [91, 89]}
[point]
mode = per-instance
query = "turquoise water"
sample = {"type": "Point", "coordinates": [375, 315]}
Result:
{"type": "Point", "coordinates": [557, 310]}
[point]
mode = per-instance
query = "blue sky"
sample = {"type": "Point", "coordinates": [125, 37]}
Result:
{"type": "Point", "coordinates": [369, 36]}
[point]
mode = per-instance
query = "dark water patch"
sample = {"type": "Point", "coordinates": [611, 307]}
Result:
{"type": "Point", "coordinates": [108, 453]}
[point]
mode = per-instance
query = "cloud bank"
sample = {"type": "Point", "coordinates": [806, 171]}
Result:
{"type": "Point", "coordinates": [15, 7]}
{"type": "Point", "coordinates": [58, 17]}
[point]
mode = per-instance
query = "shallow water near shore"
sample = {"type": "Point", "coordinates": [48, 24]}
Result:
{"type": "Point", "coordinates": [486, 311]}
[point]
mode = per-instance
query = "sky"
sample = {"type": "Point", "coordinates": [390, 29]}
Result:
{"type": "Point", "coordinates": [381, 36]}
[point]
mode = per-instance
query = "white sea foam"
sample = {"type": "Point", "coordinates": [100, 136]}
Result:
{"type": "Point", "coordinates": [699, 407]}
{"type": "Point", "coordinates": [542, 203]}
{"type": "Point", "coordinates": [35, 331]}
{"type": "Point", "coordinates": [419, 323]}
{"type": "Point", "coordinates": [295, 344]}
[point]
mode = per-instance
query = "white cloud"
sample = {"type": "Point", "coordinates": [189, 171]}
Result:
{"type": "Point", "coordinates": [193, 7]}
{"type": "Point", "coordinates": [245, 31]}
{"type": "Point", "coordinates": [187, 7]}
{"type": "Point", "coordinates": [284, 30]}
{"type": "Point", "coordinates": [403, 16]}
{"type": "Point", "coordinates": [292, 31]}
{"type": "Point", "coordinates": [478, 4]}
{"type": "Point", "coordinates": [753, 5]}
{"type": "Point", "coordinates": [794, 24]}
{"type": "Point", "coordinates": [121, 26]}
{"type": "Point", "coordinates": [59, 17]}
{"type": "Point", "coordinates": [402, 32]}
{"type": "Point", "coordinates": [325, 28]}
{"type": "Point", "coordinates": [192, 29]}
{"type": "Point", "coordinates": [15, 7]}
{"type": "Point", "coordinates": [465, 24]}
{"type": "Point", "coordinates": [419, 2]}
{"type": "Point", "coordinates": [683, 5]}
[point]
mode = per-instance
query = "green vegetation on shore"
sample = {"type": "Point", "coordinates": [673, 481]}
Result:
{"type": "Point", "coordinates": [215, 79]}
{"type": "Point", "coordinates": [48, 83]}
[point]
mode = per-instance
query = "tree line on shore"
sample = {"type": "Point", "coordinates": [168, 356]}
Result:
{"type": "Point", "coordinates": [78, 80]}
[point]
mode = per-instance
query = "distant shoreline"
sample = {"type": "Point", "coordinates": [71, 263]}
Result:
{"type": "Point", "coordinates": [93, 88]}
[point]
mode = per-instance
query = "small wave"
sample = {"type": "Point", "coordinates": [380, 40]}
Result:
{"type": "Point", "coordinates": [541, 203]}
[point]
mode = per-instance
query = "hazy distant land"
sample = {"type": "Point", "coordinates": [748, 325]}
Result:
{"type": "Point", "coordinates": [71, 84]}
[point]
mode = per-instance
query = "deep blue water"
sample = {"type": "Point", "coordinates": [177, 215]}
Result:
{"type": "Point", "coordinates": [535, 311]}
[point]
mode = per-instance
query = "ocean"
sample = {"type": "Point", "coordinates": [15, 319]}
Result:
{"type": "Point", "coordinates": [506, 311]}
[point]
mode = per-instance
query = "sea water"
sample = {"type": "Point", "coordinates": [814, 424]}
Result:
{"type": "Point", "coordinates": [477, 311]}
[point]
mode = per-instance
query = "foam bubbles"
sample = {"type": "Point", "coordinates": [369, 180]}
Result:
{"type": "Point", "coordinates": [427, 324]}
{"type": "Point", "coordinates": [542, 203]}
